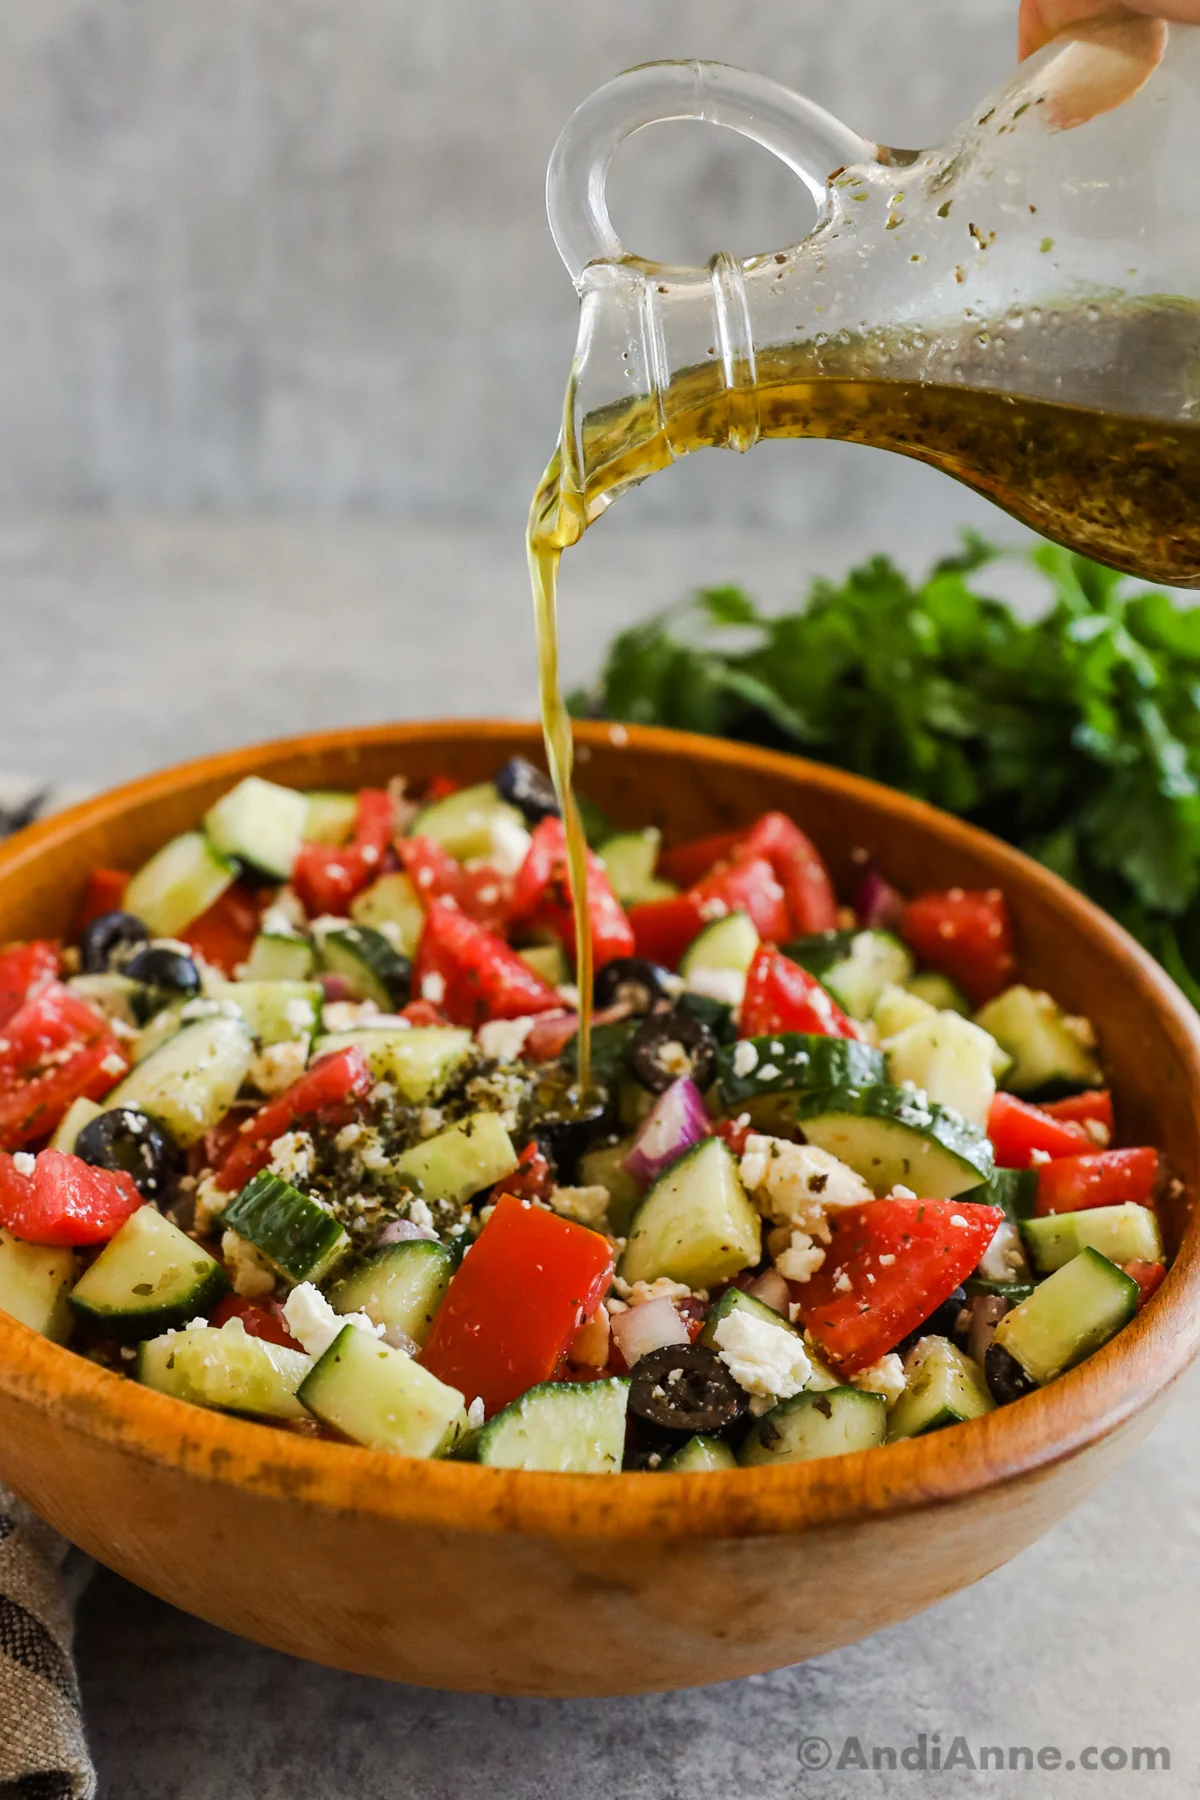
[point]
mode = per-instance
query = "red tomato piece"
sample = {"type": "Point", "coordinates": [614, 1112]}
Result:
{"type": "Point", "coordinates": [1149, 1277]}
{"type": "Point", "coordinates": [23, 970]}
{"type": "Point", "coordinates": [1103, 1178]}
{"type": "Point", "coordinates": [258, 1320]}
{"type": "Point", "coordinates": [472, 974]}
{"type": "Point", "coordinates": [374, 823]}
{"type": "Point", "coordinates": [54, 1049]}
{"type": "Point", "coordinates": [1017, 1129]}
{"type": "Point", "coordinates": [965, 933]}
{"type": "Point", "coordinates": [902, 1259]}
{"type": "Point", "coordinates": [781, 996]}
{"type": "Point", "coordinates": [104, 892]}
{"type": "Point", "coordinates": [1093, 1108]}
{"type": "Point", "coordinates": [518, 1298]}
{"type": "Point", "coordinates": [482, 893]}
{"type": "Point", "coordinates": [532, 1179]}
{"type": "Point", "coordinates": [421, 1012]}
{"type": "Point", "coordinates": [663, 929]}
{"type": "Point", "coordinates": [328, 877]}
{"type": "Point", "coordinates": [65, 1200]}
{"type": "Point", "coordinates": [225, 934]}
{"type": "Point", "coordinates": [441, 788]}
{"type": "Point", "coordinates": [542, 896]}
{"type": "Point", "coordinates": [749, 885]}
{"type": "Point", "coordinates": [326, 1094]}
{"type": "Point", "coordinates": [734, 1133]}
{"type": "Point", "coordinates": [687, 863]}
{"type": "Point", "coordinates": [808, 891]}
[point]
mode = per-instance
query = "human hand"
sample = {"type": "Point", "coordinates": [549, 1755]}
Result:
{"type": "Point", "coordinates": [1042, 20]}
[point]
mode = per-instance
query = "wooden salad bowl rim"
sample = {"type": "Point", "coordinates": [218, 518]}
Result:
{"type": "Point", "coordinates": [1050, 1427]}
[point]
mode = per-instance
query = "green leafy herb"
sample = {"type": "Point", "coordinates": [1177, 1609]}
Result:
{"type": "Point", "coordinates": [1075, 735]}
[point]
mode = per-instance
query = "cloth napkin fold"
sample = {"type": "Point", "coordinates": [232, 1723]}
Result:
{"type": "Point", "coordinates": [43, 1752]}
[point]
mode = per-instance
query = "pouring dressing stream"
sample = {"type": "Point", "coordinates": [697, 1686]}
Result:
{"type": "Point", "coordinates": [1019, 307]}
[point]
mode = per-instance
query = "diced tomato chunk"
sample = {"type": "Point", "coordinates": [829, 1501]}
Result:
{"type": "Point", "coordinates": [1092, 1108]}
{"type": "Point", "coordinates": [23, 970]}
{"type": "Point", "coordinates": [440, 788]}
{"type": "Point", "coordinates": [749, 885]}
{"type": "Point", "coordinates": [374, 823]}
{"type": "Point", "coordinates": [326, 1094]}
{"type": "Point", "coordinates": [1101, 1178]}
{"type": "Point", "coordinates": [328, 877]}
{"type": "Point", "coordinates": [542, 896]}
{"type": "Point", "coordinates": [965, 933]}
{"type": "Point", "coordinates": [257, 1320]}
{"type": "Point", "coordinates": [225, 934]}
{"type": "Point", "coordinates": [532, 1179]}
{"type": "Point", "coordinates": [687, 863]}
{"type": "Point", "coordinates": [734, 1133]}
{"type": "Point", "coordinates": [103, 893]}
{"type": "Point", "coordinates": [901, 1258]}
{"type": "Point", "coordinates": [663, 929]}
{"type": "Point", "coordinates": [1149, 1277]}
{"type": "Point", "coordinates": [482, 893]}
{"type": "Point", "coordinates": [515, 1303]}
{"type": "Point", "coordinates": [54, 1049]}
{"type": "Point", "coordinates": [781, 996]}
{"type": "Point", "coordinates": [1018, 1129]}
{"type": "Point", "coordinates": [808, 891]}
{"type": "Point", "coordinates": [64, 1200]}
{"type": "Point", "coordinates": [421, 1013]}
{"type": "Point", "coordinates": [473, 975]}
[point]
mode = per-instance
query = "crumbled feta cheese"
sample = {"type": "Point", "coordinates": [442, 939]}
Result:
{"type": "Point", "coordinates": [586, 1205]}
{"type": "Point", "coordinates": [348, 1136]}
{"type": "Point", "coordinates": [1003, 1255]}
{"type": "Point", "coordinates": [114, 1063]}
{"type": "Point", "coordinates": [313, 1322]}
{"type": "Point", "coordinates": [433, 988]}
{"type": "Point", "coordinates": [347, 1015]}
{"type": "Point", "coordinates": [1038, 1157]}
{"type": "Point", "coordinates": [475, 1413]}
{"type": "Point", "coordinates": [801, 1258]}
{"type": "Point", "coordinates": [510, 844]}
{"type": "Point", "coordinates": [900, 1192]}
{"type": "Point", "coordinates": [885, 1260]}
{"type": "Point", "coordinates": [769, 1072]}
{"type": "Point", "coordinates": [957, 1219]}
{"type": "Point", "coordinates": [768, 1361]}
{"type": "Point", "coordinates": [842, 1282]}
{"type": "Point", "coordinates": [23, 1163]}
{"type": "Point", "coordinates": [745, 1058]}
{"type": "Point", "coordinates": [292, 1156]}
{"type": "Point", "coordinates": [211, 1202]}
{"type": "Point", "coordinates": [420, 1216]}
{"type": "Point", "coordinates": [504, 1039]}
{"type": "Point", "coordinates": [726, 985]}
{"type": "Point", "coordinates": [277, 1066]}
{"type": "Point", "coordinates": [675, 1058]}
{"type": "Point", "coordinates": [798, 1184]}
{"type": "Point", "coordinates": [286, 915]}
{"type": "Point", "coordinates": [885, 1377]}
{"type": "Point", "coordinates": [250, 1272]}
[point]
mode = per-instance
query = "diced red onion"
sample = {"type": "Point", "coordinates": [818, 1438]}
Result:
{"type": "Point", "coordinates": [401, 1231]}
{"type": "Point", "coordinates": [677, 1120]}
{"type": "Point", "coordinates": [334, 987]}
{"type": "Point", "coordinates": [987, 1310]}
{"type": "Point", "coordinates": [772, 1290]}
{"type": "Point", "coordinates": [648, 1327]}
{"type": "Point", "coordinates": [877, 904]}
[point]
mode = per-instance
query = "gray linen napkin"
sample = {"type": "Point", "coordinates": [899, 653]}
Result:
{"type": "Point", "coordinates": [43, 1754]}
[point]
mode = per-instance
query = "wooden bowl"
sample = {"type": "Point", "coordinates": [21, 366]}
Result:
{"type": "Point", "coordinates": [489, 1580]}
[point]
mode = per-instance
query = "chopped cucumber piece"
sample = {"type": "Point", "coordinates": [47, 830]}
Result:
{"type": "Point", "coordinates": [379, 1397]}
{"type": "Point", "coordinates": [1068, 1316]}
{"type": "Point", "coordinates": [717, 1014]}
{"type": "Point", "coordinates": [399, 1287]}
{"type": "Point", "coordinates": [475, 822]}
{"type": "Point", "coordinates": [295, 1234]}
{"type": "Point", "coordinates": [149, 1277]}
{"type": "Point", "coordinates": [35, 1280]}
{"type": "Point", "coordinates": [855, 966]}
{"type": "Point", "coordinates": [476, 1153]}
{"type": "Point", "coordinates": [700, 1456]}
{"type": "Point", "coordinates": [549, 961]}
{"type": "Point", "coordinates": [368, 963]}
{"type": "Point", "coordinates": [754, 1074]}
{"type": "Point", "coordinates": [390, 906]}
{"type": "Point", "coordinates": [604, 1167]}
{"type": "Point", "coordinates": [279, 956]}
{"type": "Point", "coordinates": [574, 1428]}
{"type": "Point", "coordinates": [1015, 1191]}
{"type": "Point", "coordinates": [260, 823]}
{"type": "Point", "coordinates": [81, 1112]}
{"type": "Point", "coordinates": [734, 1300]}
{"type": "Point", "coordinates": [728, 943]}
{"type": "Point", "coordinates": [896, 1009]}
{"type": "Point", "coordinates": [629, 860]}
{"type": "Point", "coordinates": [942, 1387]}
{"type": "Point", "coordinates": [275, 1012]}
{"type": "Point", "coordinates": [166, 1023]}
{"type": "Point", "coordinates": [329, 816]}
{"type": "Point", "coordinates": [1049, 1049]}
{"type": "Point", "coordinates": [696, 1224]}
{"type": "Point", "coordinates": [118, 996]}
{"type": "Point", "coordinates": [1014, 1292]}
{"type": "Point", "coordinates": [418, 1059]}
{"type": "Point", "coordinates": [939, 992]}
{"type": "Point", "coordinates": [227, 1369]}
{"type": "Point", "coordinates": [810, 1425]}
{"type": "Point", "coordinates": [191, 1081]}
{"type": "Point", "coordinates": [950, 1059]}
{"type": "Point", "coordinates": [892, 1135]}
{"type": "Point", "coordinates": [181, 881]}
{"type": "Point", "coordinates": [1125, 1233]}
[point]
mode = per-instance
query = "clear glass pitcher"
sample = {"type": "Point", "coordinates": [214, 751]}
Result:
{"type": "Point", "coordinates": [1019, 306]}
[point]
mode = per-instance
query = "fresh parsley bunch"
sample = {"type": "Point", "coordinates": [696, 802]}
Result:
{"type": "Point", "coordinates": [1076, 735]}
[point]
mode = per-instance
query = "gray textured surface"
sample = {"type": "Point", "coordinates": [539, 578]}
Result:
{"type": "Point", "coordinates": [140, 643]}
{"type": "Point", "coordinates": [292, 254]}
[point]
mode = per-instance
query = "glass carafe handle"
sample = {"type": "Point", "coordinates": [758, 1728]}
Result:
{"type": "Point", "coordinates": [802, 134]}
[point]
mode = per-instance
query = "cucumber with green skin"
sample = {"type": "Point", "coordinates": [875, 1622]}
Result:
{"type": "Point", "coordinates": [329, 816]}
{"type": "Point", "coordinates": [894, 1136]}
{"type": "Point", "coordinates": [472, 1155]}
{"type": "Point", "coordinates": [943, 1386]}
{"type": "Point", "coordinates": [696, 1224]}
{"type": "Point", "coordinates": [629, 860]}
{"type": "Point", "coordinates": [181, 881]}
{"type": "Point", "coordinates": [399, 1287]}
{"type": "Point", "coordinates": [575, 1428]}
{"type": "Point", "coordinates": [1071, 1314]}
{"type": "Point", "coordinates": [419, 1060]}
{"type": "Point", "coordinates": [190, 1081]}
{"type": "Point", "coordinates": [297, 1236]}
{"type": "Point", "coordinates": [469, 823]}
{"type": "Point", "coordinates": [1015, 1191]}
{"type": "Point", "coordinates": [700, 1456]}
{"type": "Point", "coordinates": [604, 1166]}
{"type": "Point", "coordinates": [149, 1277]}
{"type": "Point", "coordinates": [381, 1398]}
{"type": "Point", "coordinates": [734, 1300]}
{"type": "Point", "coordinates": [275, 1012]}
{"type": "Point", "coordinates": [260, 823]}
{"type": "Point", "coordinates": [792, 1062]}
{"type": "Point", "coordinates": [372, 968]}
{"type": "Point", "coordinates": [390, 906]}
{"type": "Point", "coordinates": [226, 1369]}
{"type": "Point", "coordinates": [829, 1422]}
{"type": "Point", "coordinates": [1125, 1233]}
{"type": "Point", "coordinates": [279, 956]}
{"type": "Point", "coordinates": [35, 1280]}
{"type": "Point", "coordinates": [854, 966]}
{"type": "Point", "coordinates": [726, 943]}
{"type": "Point", "coordinates": [1048, 1054]}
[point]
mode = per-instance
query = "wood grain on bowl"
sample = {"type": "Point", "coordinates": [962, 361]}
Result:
{"type": "Point", "coordinates": [455, 1576]}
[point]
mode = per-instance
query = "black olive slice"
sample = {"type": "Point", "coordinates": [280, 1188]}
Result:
{"type": "Point", "coordinates": [134, 1144]}
{"type": "Point", "coordinates": [1006, 1379]}
{"type": "Point", "coordinates": [164, 968]}
{"type": "Point", "coordinates": [632, 982]}
{"type": "Point", "coordinates": [528, 789]}
{"type": "Point", "coordinates": [109, 939]}
{"type": "Point", "coordinates": [682, 1389]}
{"type": "Point", "coordinates": [671, 1044]}
{"type": "Point", "coordinates": [942, 1322]}
{"type": "Point", "coordinates": [568, 1123]}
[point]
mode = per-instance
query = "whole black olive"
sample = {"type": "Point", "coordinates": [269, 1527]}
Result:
{"type": "Point", "coordinates": [528, 789]}
{"type": "Point", "coordinates": [942, 1322]}
{"type": "Point", "coordinates": [682, 1389]}
{"type": "Point", "coordinates": [1006, 1379]}
{"type": "Point", "coordinates": [160, 967]}
{"type": "Point", "coordinates": [630, 981]}
{"type": "Point", "coordinates": [671, 1044]}
{"type": "Point", "coordinates": [109, 940]}
{"type": "Point", "coordinates": [569, 1124]}
{"type": "Point", "coordinates": [135, 1144]}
